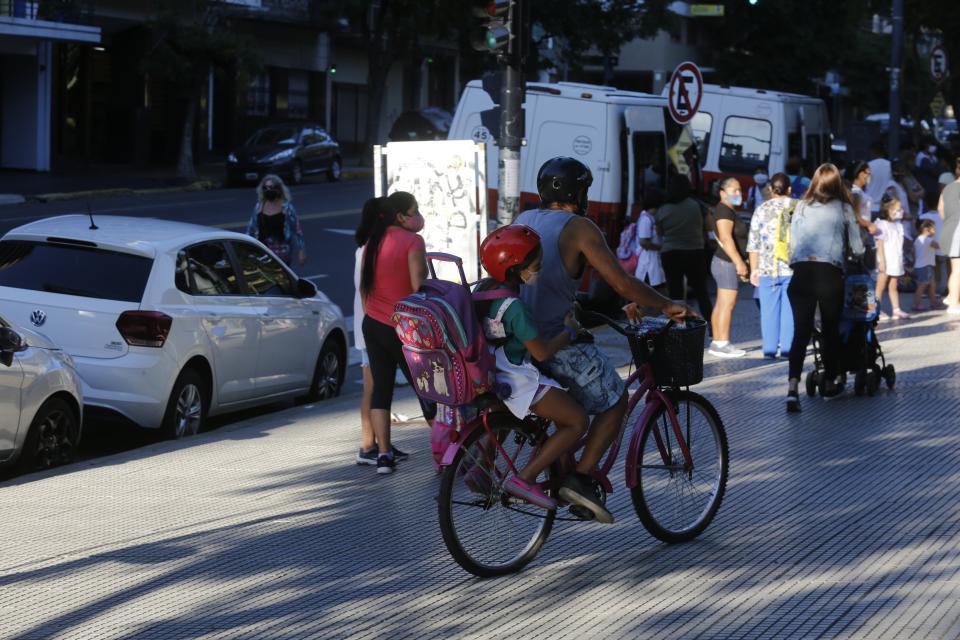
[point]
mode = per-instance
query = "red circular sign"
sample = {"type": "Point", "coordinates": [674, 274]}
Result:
{"type": "Point", "coordinates": [686, 90]}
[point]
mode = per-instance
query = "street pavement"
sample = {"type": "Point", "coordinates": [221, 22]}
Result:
{"type": "Point", "coordinates": [839, 522]}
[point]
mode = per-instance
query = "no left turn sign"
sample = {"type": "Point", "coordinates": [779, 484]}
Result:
{"type": "Point", "coordinates": [686, 90]}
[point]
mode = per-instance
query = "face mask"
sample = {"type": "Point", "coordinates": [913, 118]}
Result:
{"type": "Point", "coordinates": [271, 194]}
{"type": "Point", "coordinates": [736, 199]}
{"type": "Point", "coordinates": [531, 278]}
{"type": "Point", "coordinates": [414, 224]}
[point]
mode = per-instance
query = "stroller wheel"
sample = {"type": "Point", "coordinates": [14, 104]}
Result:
{"type": "Point", "coordinates": [811, 384]}
{"type": "Point", "coordinates": [890, 375]}
{"type": "Point", "coordinates": [873, 382]}
{"type": "Point", "coordinates": [860, 382]}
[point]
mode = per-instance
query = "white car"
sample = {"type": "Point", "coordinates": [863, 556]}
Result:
{"type": "Point", "coordinates": [170, 322]}
{"type": "Point", "coordinates": [40, 401]}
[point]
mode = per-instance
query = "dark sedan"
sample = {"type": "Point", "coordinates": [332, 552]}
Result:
{"type": "Point", "coordinates": [288, 150]}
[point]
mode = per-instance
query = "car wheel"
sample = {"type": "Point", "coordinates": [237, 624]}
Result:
{"type": "Point", "coordinates": [296, 172]}
{"type": "Point", "coordinates": [52, 439]}
{"type": "Point", "coordinates": [335, 170]}
{"type": "Point", "coordinates": [187, 406]}
{"type": "Point", "coordinates": [329, 372]}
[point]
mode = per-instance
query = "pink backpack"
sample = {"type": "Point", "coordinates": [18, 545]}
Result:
{"type": "Point", "coordinates": [449, 359]}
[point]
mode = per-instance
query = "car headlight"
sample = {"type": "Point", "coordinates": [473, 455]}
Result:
{"type": "Point", "coordinates": [232, 157]}
{"type": "Point", "coordinates": [280, 155]}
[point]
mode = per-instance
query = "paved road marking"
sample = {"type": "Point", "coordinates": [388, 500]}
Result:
{"type": "Point", "coordinates": [307, 216]}
{"type": "Point", "coordinates": [343, 232]}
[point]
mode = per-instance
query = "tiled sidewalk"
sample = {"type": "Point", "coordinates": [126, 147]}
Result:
{"type": "Point", "coordinates": [838, 522]}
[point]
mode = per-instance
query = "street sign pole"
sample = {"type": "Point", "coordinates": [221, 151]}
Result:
{"type": "Point", "coordinates": [893, 143]}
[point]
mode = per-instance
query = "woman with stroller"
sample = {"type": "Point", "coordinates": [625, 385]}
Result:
{"type": "Point", "coordinates": [823, 230]}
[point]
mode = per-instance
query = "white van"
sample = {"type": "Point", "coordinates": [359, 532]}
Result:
{"type": "Point", "coordinates": [592, 124]}
{"type": "Point", "coordinates": [739, 130]}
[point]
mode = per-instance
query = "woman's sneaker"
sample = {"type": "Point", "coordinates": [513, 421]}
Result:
{"type": "Point", "coordinates": [578, 490]}
{"type": "Point", "coordinates": [900, 313]}
{"type": "Point", "coordinates": [386, 464]}
{"type": "Point", "coordinates": [531, 493]}
{"type": "Point", "coordinates": [370, 456]}
{"type": "Point", "coordinates": [830, 389]}
{"type": "Point", "coordinates": [725, 351]}
{"type": "Point", "coordinates": [793, 402]}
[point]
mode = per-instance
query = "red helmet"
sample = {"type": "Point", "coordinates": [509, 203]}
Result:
{"type": "Point", "coordinates": [507, 247]}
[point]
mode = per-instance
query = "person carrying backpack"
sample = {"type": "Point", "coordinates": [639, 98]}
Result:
{"type": "Point", "coordinates": [768, 246]}
{"type": "Point", "coordinates": [512, 255]}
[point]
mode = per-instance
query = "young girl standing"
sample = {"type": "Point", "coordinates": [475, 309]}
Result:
{"type": "Point", "coordinates": [890, 255]}
{"type": "Point", "coordinates": [512, 256]}
{"type": "Point", "coordinates": [649, 268]}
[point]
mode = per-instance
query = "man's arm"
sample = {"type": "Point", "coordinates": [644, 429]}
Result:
{"type": "Point", "coordinates": [589, 240]}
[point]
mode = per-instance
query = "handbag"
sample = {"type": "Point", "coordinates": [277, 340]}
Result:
{"type": "Point", "coordinates": [853, 264]}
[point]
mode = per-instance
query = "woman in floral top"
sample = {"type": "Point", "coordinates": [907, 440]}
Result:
{"type": "Point", "coordinates": [768, 273]}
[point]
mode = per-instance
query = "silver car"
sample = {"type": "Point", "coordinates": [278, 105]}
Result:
{"type": "Point", "coordinates": [40, 401]}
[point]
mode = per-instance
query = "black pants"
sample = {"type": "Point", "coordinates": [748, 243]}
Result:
{"type": "Point", "coordinates": [816, 284]}
{"type": "Point", "coordinates": [385, 352]}
{"type": "Point", "coordinates": [689, 264]}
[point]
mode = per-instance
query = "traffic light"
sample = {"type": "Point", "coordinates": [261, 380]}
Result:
{"type": "Point", "coordinates": [493, 34]}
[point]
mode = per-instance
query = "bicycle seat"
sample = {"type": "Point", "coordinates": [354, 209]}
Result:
{"type": "Point", "coordinates": [486, 401]}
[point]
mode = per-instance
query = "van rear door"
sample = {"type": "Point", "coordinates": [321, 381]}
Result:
{"type": "Point", "coordinates": [656, 146]}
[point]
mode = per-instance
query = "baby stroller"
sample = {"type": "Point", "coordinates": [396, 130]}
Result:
{"type": "Point", "coordinates": [860, 353]}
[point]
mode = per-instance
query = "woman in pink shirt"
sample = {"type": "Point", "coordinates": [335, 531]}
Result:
{"type": "Point", "coordinates": [394, 265]}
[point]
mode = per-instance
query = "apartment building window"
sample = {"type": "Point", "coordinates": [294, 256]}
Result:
{"type": "Point", "coordinates": [298, 94]}
{"type": "Point", "coordinates": [258, 95]}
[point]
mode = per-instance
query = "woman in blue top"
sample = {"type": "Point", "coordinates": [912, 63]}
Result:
{"type": "Point", "coordinates": [512, 256]}
{"type": "Point", "coordinates": [274, 221]}
{"type": "Point", "coordinates": [823, 230]}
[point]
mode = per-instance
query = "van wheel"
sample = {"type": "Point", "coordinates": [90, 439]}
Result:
{"type": "Point", "coordinates": [328, 374]}
{"type": "Point", "coordinates": [52, 439]}
{"type": "Point", "coordinates": [187, 406]}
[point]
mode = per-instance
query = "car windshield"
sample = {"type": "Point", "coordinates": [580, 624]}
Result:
{"type": "Point", "coordinates": [274, 135]}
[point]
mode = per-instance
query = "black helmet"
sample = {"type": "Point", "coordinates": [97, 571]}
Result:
{"type": "Point", "coordinates": [565, 181]}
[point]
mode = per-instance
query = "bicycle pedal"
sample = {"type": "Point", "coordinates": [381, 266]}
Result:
{"type": "Point", "coordinates": [581, 513]}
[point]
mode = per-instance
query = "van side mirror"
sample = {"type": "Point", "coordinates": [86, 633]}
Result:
{"type": "Point", "coordinates": [305, 288]}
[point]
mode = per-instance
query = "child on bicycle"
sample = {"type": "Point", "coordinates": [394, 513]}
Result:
{"type": "Point", "coordinates": [512, 256]}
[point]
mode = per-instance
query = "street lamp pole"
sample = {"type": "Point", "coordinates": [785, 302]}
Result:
{"type": "Point", "coordinates": [896, 53]}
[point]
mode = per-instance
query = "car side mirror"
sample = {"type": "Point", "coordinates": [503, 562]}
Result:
{"type": "Point", "coordinates": [305, 288]}
{"type": "Point", "coordinates": [10, 342]}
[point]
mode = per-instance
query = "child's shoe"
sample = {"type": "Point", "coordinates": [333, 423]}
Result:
{"type": "Point", "coordinates": [883, 317]}
{"type": "Point", "coordinates": [577, 489]}
{"type": "Point", "coordinates": [900, 314]}
{"type": "Point", "coordinates": [531, 493]}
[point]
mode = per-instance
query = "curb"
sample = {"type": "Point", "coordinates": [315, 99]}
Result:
{"type": "Point", "coordinates": [199, 185]}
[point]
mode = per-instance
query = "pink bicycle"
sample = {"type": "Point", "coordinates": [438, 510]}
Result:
{"type": "Point", "coordinates": [675, 466]}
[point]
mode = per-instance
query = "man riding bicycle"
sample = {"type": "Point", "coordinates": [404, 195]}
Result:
{"type": "Point", "coordinates": [570, 242]}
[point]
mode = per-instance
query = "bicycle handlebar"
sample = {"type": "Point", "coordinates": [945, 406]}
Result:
{"type": "Point", "coordinates": [610, 322]}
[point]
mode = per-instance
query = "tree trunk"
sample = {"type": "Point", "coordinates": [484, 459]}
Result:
{"type": "Point", "coordinates": [377, 70]}
{"type": "Point", "coordinates": [185, 166]}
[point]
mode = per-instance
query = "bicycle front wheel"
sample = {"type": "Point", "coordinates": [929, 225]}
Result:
{"type": "Point", "coordinates": [487, 531]}
{"type": "Point", "coordinates": [676, 503]}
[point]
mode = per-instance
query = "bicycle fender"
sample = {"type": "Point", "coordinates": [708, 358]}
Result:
{"type": "Point", "coordinates": [633, 451]}
{"type": "Point", "coordinates": [451, 451]}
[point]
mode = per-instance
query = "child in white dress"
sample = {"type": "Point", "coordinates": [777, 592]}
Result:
{"type": "Point", "coordinates": [649, 268]}
{"type": "Point", "coordinates": [890, 255]}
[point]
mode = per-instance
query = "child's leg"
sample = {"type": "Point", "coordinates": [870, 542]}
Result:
{"type": "Point", "coordinates": [571, 421]}
{"type": "Point", "coordinates": [881, 288]}
{"type": "Point", "coordinates": [367, 441]}
{"type": "Point", "coordinates": [894, 293]}
{"type": "Point", "coordinates": [918, 294]}
{"type": "Point", "coordinates": [932, 293]}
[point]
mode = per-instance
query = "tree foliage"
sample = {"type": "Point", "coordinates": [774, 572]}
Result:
{"type": "Point", "coordinates": [188, 39]}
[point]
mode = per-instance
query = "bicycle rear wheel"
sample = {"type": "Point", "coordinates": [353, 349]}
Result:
{"type": "Point", "coordinates": [487, 531]}
{"type": "Point", "coordinates": [673, 503]}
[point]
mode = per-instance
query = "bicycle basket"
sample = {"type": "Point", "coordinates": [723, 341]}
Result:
{"type": "Point", "coordinates": [676, 355]}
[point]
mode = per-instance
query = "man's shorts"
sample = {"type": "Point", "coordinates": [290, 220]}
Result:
{"type": "Point", "coordinates": [588, 376]}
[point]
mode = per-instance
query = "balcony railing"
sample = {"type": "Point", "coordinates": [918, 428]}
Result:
{"type": "Point", "coordinates": [73, 11]}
